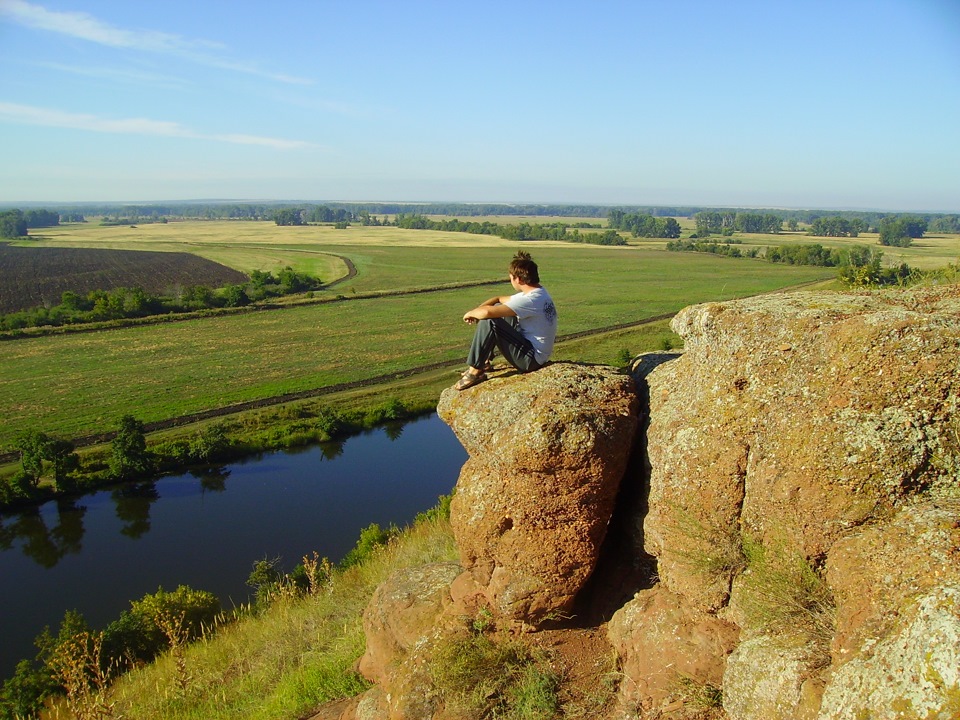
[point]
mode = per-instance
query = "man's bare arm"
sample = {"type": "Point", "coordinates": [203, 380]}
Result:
{"type": "Point", "coordinates": [493, 308]}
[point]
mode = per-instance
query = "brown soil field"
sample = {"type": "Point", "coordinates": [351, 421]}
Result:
{"type": "Point", "coordinates": [31, 277]}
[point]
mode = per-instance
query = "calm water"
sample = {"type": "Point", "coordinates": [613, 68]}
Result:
{"type": "Point", "coordinates": [205, 530]}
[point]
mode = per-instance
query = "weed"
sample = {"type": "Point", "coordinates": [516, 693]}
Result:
{"type": "Point", "coordinates": [698, 694]}
{"type": "Point", "coordinates": [785, 594]}
{"type": "Point", "coordinates": [77, 664]}
{"type": "Point", "coordinates": [484, 678]}
{"type": "Point", "coordinates": [710, 549]}
{"type": "Point", "coordinates": [318, 571]}
{"type": "Point", "coordinates": [174, 628]}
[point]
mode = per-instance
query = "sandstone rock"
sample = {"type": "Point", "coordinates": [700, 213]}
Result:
{"type": "Point", "coordinates": [547, 453]}
{"type": "Point", "coordinates": [402, 614]}
{"type": "Point", "coordinates": [914, 672]}
{"type": "Point", "coordinates": [661, 642]}
{"type": "Point", "coordinates": [770, 680]}
{"type": "Point", "coordinates": [876, 572]}
{"type": "Point", "coordinates": [800, 445]}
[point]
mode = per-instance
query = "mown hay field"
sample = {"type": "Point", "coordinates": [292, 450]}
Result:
{"type": "Point", "coordinates": [79, 384]}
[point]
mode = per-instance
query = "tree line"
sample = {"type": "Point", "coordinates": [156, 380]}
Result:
{"type": "Point", "coordinates": [123, 303]}
{"type": "Point", "coordinates": [858, 265]}
{"type": "Point", "coordinates": [727, 222]}
{"type": "Point", "coordinates": [15, 223]}
{"type": "Point", "coordinates": [563, 232]}
{"type": "Point", "coordinates": [644, 224]}
{"type": "Point", "coordinates": [75, 212]}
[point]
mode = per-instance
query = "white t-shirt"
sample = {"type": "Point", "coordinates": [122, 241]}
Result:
{"type": "Point", "coordinates": [538, 320]}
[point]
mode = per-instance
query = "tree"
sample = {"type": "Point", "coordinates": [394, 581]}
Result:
{"type": "Point", "coordinates": [288, 216]}
{"type": "Point", "coordinates": [61, 454]}
{"type": "Point", "coordinates": [899, 231]}
{"type": "Point", "coordinates": [31, 445]}
{"type": "Point", "coordinates": [12, 224]}
{"type": "Point", "coordinates": [41, 218]}
{"type": "Point", "coordinates": [129, 457]}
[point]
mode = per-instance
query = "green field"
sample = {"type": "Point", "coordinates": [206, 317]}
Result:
{"type": "Point", "coordinates": [79, 384]}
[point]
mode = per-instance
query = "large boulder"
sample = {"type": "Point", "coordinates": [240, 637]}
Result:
{"type": "Point", "coordinates": [533, 501]}
{"type": "Point", "coordinates": [811, 441]}
{"type": "Point", "coordinates": [794, 419]}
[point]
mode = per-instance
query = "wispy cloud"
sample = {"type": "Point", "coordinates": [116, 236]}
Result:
{"type": "Point", "coordinates": [87, 27]}
{"type": "Point", "coordinates": [46, 117]}
{"type": "Point", "coordinates": [116, 74]}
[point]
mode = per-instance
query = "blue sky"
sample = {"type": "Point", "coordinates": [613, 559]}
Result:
{"type": "Point", "coordinates": [833, 104]}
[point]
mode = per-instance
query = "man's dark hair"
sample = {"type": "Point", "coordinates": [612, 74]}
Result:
{"type": "Point", "coordinates": [524, 269]}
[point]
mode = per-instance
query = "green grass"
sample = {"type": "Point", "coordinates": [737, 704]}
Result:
{"type": "Point", "coordinates": [83, 383]}
{"type": "Point", "coordinates": [286, 662]}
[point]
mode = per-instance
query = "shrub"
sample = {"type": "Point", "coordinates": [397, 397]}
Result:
{"type": "Point", "coordinates": [138, 635]}
{"type": "Point", "coordinates": [372, 537]}
{"type": "Point", "coordinates": [440, 511]}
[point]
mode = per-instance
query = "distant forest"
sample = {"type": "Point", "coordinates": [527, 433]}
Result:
{"type": "Point", "coordinates": [115, 213]}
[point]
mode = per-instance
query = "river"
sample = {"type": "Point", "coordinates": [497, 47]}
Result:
{"type": "Point", "coordinates": [205, 528]}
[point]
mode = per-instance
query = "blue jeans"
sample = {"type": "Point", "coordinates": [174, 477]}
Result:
{"type": "Point", "coordinates": [503, 334]}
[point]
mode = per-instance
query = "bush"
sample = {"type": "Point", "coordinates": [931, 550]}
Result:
{"type": "Point", "coordinates": [440, 511]}
{"type": "Point", "coordinates": [371, 539]}
{"type": "Point", "coordinates": [137, 636]}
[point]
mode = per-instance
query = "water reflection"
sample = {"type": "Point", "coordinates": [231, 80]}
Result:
{"type": "Point", "coordinates": [213, 478]}
{"type": "Point", "coordinates": [332, 450]}
{"type": "Point", "coordinates": [132, 502]}
{"type": "Point", "coordinates": [393, 430]}
{"type": "Point", "coordinates": [205, 527]}
{"type": "Point", "coordinates": [45, 546]}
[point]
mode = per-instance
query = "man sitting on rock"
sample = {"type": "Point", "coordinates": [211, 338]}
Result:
{"type": "Point", "coordinates": [522, 326]}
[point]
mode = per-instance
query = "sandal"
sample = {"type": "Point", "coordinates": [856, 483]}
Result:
{"type": "Point", "coordinates": [468, 380]}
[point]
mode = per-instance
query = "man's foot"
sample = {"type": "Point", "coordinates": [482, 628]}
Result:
{"type": "Point", "coordinates": [468, 379]}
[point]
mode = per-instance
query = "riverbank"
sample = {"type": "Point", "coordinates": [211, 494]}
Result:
{"type": "Point", "coordinates": [326, 414]}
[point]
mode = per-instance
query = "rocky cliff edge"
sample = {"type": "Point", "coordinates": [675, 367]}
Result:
{"type": "Point", "coordinates": [785, 495]}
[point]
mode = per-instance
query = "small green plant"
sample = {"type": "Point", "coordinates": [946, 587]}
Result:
{"type": "Point", "coordinates": [698, 694]}
{"type": "Point", "coordinates": [534, 695]}
{"type": "Point", "coordinates": [711, 549]}
{"type": "Point", "coordinates": [483, 622]}
{"type": "Point", "coordinates": [785, 594]}
{"type": "Point", "coordinates": [485, 678]}
{"type": "Point", "coordinates": [624, 356]}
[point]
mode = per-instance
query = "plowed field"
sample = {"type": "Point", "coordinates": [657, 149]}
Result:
{"type": "Point", "coordinates": [30, 277]}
